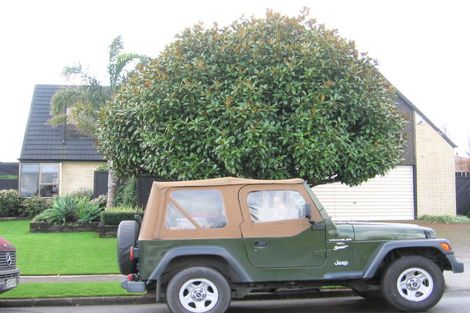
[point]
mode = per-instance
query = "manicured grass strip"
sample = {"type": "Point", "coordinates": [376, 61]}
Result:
{"type": "Point", "coordinates": [59, 290]}
{"type": "Point", "coordinates": [60, 253]}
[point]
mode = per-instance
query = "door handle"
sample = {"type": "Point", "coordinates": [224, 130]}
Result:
{"type": "Point", "coordinates": [261, 244]}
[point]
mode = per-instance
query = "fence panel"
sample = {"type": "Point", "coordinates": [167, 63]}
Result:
{"type": "Point", "coordinates": [462, 187]}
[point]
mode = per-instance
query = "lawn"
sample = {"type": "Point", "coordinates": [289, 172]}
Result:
{"type": "Point", "coordinates": [58, 290]}
{"type": "Point", "coordinates": [60, 253]}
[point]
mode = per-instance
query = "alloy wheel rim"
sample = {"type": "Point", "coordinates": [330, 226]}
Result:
{"type": "Point", "coordinates": [415, 284]}
{"type": "Point", "coordinates": [198, 295]}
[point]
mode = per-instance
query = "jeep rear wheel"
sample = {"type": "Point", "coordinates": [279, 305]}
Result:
{"type": "Point", "coordinates": [198, 290]}
{"type": "Point", "coordinates": [127, 234]}
{"type": "Point", "coordinates": [412, 284]}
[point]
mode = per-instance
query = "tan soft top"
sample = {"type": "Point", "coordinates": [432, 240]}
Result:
{"type": "Point", "coordinates": [153, 222]}
{"type": "Point", "coordinates": [225, 181]}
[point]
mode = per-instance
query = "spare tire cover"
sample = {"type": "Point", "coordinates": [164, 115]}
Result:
{"type": "Point", "coordinates": [127, 234]}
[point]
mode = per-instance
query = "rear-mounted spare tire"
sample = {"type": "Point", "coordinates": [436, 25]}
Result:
{"type": "Point", "coordinates": [127, 234]}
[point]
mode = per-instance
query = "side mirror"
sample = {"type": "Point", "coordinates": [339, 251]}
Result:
{"type": "Point", "coordinates": [308, 211]}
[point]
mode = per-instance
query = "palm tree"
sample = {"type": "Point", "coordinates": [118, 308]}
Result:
{"type": "Point", "coordinates": [79, 105]}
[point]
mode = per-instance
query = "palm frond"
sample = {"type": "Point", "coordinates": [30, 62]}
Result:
{"type": "Point", "coordinates": [119, 67]}
{"type": "Point", "coordinates": [78, 106]}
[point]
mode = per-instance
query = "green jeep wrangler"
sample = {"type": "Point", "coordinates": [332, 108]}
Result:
{"type": "Point", "coordinates": [202, 243]}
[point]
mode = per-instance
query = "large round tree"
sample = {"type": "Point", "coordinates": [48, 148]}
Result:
{"type": "Point", "coordinates": [263, 98]}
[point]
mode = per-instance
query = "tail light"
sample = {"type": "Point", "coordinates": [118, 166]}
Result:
{"type": "Point", "coordinates": [132, 277]}
{"type": "Point", "coordinates": [131, 254]}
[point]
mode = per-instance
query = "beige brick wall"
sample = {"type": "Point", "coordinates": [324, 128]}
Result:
{"type": "Point", "coordinates": [435, 172]}
{"type": "Point", "coordinates": [77, 175]}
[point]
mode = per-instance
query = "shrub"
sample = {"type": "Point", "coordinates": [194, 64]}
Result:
{"type": "Point", "coordinates": [69, 209]}
{"type": "Point", "coordinates": [113, 216]}
{"type": "Point", "coordinates": [126, 195]}
{"type": "Point", "coordinates": [89, 213]}
{"type": "Point", "coordinates": [35, 205]}
{"type": "Point", "coordinates": [82, 192]}
{"type": "Point", "coordinates": [10, 203]}
{"type": "Point", "coordinates": [445, 219]}
{"type": "Point", "coordinates": [64, 209]}
{"type": "Point", "coordinates": [100, 201]}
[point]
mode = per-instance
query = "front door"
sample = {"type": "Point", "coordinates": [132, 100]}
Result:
{"type": "Point", "coordinates": [275, 231]}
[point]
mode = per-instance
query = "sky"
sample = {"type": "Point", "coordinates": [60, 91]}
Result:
{"type": "Point", "coordinates": [423, 47]}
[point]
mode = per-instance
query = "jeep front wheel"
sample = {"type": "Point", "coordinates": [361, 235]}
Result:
{"type": "Point", "coordinates": [198, 290]}
{"type": "Point", "coordinates": [413, 284]}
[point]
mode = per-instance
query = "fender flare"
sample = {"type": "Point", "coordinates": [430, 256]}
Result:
{"type": "Point", "coordinates": [200, 250]}
{"type": "Point", "coordinates": [382, 251]}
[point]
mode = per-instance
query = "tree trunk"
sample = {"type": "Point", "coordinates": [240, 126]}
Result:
{"type": "Point", "coordinates": [111, 185]}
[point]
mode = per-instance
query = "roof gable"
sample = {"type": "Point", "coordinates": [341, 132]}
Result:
{"type": "Point", "coordinates": [44, 142]}
{"type": "Point", "coordinates": [424, 117]}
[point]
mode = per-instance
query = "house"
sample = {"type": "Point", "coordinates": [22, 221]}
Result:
{"type": "Point", "coordinates": [54, 159]}
{"type": "Point", "coordinates": [423, 183]}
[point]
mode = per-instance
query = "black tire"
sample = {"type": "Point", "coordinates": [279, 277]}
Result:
{"type": "Point", "coordinates": [422, 284]}
{"type": "Point", "coordinates": [127, 234]}
{"type": "Point", "coordinates": [369, 294]}
{"type": "Point", "coordinates": [187, 282]}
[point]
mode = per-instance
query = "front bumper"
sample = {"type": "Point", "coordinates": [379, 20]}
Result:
{"type": "Point", "coordinates": [457, 267]}
{"type": "Point", "coordinates": [9, 279]}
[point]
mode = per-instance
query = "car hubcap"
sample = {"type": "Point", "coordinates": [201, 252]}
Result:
{"type": "Point", "coordinates": [198, 295]}
{"type": "Point", "coordinates": [415, 284]}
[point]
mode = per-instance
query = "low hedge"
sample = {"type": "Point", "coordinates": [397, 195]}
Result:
{"type": "Point", "coordinates": [114, 218]}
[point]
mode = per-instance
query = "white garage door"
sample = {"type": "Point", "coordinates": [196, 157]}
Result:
{"type": "Point", "coordinates": [388, 197]}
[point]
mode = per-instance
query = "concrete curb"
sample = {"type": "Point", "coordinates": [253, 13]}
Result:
{"type": "Point", "coordinates": [76, 301]}
{"type": "Point", "coordinates": [150, 299]}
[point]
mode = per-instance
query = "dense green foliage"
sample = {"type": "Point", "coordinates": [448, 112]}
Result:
{"type": "Point", "coordinates": [60, 253]}
{"type": "Point", "coordinates": [66, 290]}
{"type": "Point", "coordinates": [35, 205]}
{"type": "Point", "coordinates": [263, 98]}
{"type": "Point", "coordinates": [113, 216]}
{"type": "Point", "coordinates": [10, 203]}
{"type": "Point", "coordinates": [126, 194]}
{"type": "Point", "coordinates": [70, 209]}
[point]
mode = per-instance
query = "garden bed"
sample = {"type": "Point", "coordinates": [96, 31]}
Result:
{"type": "Point", "coordinates": [106, 231]}
{"type": "Point", "coordinates": [62, 228]}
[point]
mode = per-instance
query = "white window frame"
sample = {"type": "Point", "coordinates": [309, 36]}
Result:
{"type": "Point", "coordinates": [39, 184]}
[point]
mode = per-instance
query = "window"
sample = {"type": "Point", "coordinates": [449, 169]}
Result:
{"type": "Point", "coordinates": [191, 209]}
{"type": "Point", "coordinates": [276, 205]}
{"type": "Point", "coordinates": [39, 179]}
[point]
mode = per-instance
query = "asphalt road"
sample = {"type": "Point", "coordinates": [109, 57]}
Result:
{"type": "Point", "coordinates": [451, 302]}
